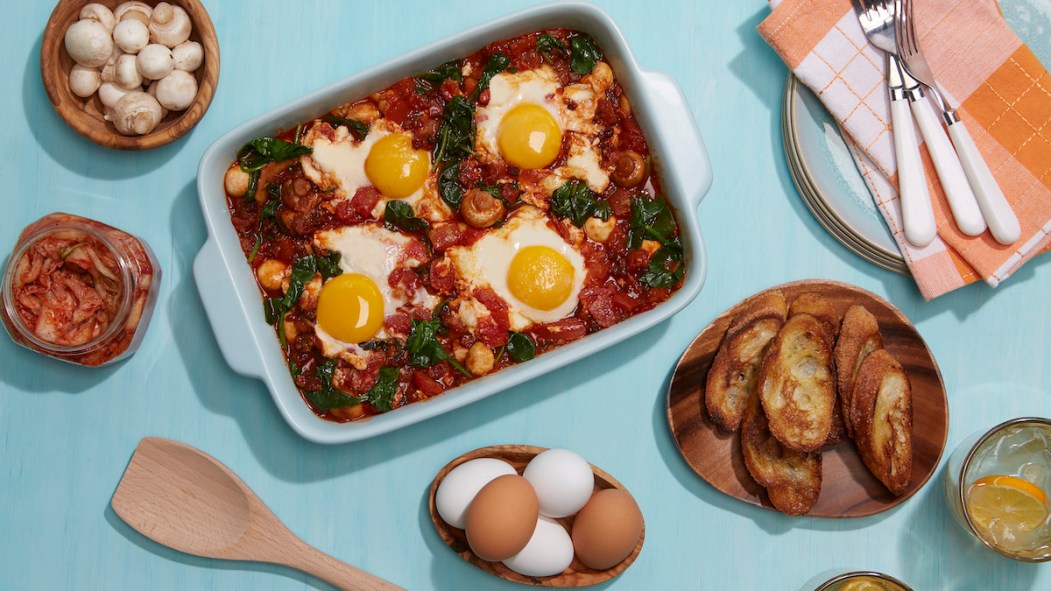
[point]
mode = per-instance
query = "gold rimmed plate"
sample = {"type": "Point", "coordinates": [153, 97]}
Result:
{"type": "Point", "coordinates": [848, 489]}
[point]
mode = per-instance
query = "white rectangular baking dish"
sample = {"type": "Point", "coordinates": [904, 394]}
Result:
{"type": "Point", "coordinates": [232, 299]}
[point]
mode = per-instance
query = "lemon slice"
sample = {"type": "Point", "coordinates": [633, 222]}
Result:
{"type": "Point", "coordinates": [1008, 502]}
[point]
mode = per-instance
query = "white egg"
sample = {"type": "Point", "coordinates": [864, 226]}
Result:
{"type": "Point", "coordinates": [563, 481]}
{"type": "Point", "coordinates": [338, 162]}
{"type": "Point", "coordinates": [462, 483]}
{"type": "Point", "coordinates": [375, 252]}
{"type": "Point", "coordinates": [549, 551]}
{"type": "Point", "coordinates": [487, 263]}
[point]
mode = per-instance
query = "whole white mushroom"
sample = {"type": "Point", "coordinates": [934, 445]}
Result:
{"type": "Point", "coordinates": [89, 43]}
{"type": "Point", "coordinates": [110, 93]}
{"type": "Point", "coordinates": [136, 113]}
{"type": "Point", "coordinates": [139, 11]}
{"type": "Point", "coordinates": [188, 56]}
{"type": "Point", "coordinates": [177, 90]}
{"type": "Point", "coordinates": [83, 82]}
{"type": "Point", "coordinates": [155, 61]}
{"type": "Point", "coordinates": [127, 72]}
{"type": "Point", "coordinates": [169, 25]}
{"type": "Point", "coordinates": [100, 13]}
{"type": "Point", "coordinates": [131, 35]}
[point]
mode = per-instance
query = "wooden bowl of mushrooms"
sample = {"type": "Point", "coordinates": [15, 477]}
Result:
{"type": "Point", "coordinates": [130, 75]}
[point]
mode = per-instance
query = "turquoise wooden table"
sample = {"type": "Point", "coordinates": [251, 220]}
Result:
{"type": "Point", "coordinates": [66, 433]}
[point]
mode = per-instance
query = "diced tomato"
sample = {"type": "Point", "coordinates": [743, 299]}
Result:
{"type": "Point", "coordinates": [492, 329]}
{"type": "Point", "coordinates": [598, 267]}
{"type": "Point", "coordinates": [426, 384]}
{"type": "Point", "coordinates": [625, 301]}
{"type": "Point", "coordinates": [470, 173]}
{"type": "Point", "coordinates": [397, 325]}
{"type": "Point", "coordinates": [631, 137]}
{"type": "Point", "coordinates": [445, 235]}
{"type": "Point", "coordinates": [638, 260]}
{"type": "Point", "coordinates": [620, 202]}
{"type": "Point", "coordinates": [414, 250]}
{"type": "Point", "coordinates": [404, 282]}
{"type": "Point", "coordinates": [365, 200]}
{"type": "Point", "coordinates": [441, 279]}
{"type": "Point", "coordinates": [560, 331]}
{"type": "Point", "coordinates": [450, 89]}
{"type": "Point", "coordinates": [493, 172]}
{"type": "Point", "coordinates": [598, 302]}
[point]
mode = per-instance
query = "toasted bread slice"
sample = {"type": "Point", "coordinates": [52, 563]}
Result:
{"type": "Point", "coordinates": [838, 432]}
{"type": "Point", "coordinates": [792, 479]}
{"type": "Point", "coordinates": [858, 337]}
{"type": "Point", "coordinates": [820, 308]}
{"type": "Point", "coordinates": [881, 411]}
{"type": "Point", "coordinates": [796, 384]}
{"type": "Point", "coordinates": [733, 374]}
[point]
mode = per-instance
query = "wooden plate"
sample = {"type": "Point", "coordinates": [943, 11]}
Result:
{"type": "Point", "coordinates": [848, 489]}
{"type": "Point", "coordinates": [85, 115]}
{"type": "Point", "coordinates": [576, 575]}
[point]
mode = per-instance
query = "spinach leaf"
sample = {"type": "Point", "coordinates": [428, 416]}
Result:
{"type": "Point", "coordinates": [665, 268]}
{"type": "Point", "coordinates": [455, 138]}
{"type": "Point", "coordinates": [273, 192]}
{"type": "Point", "coordinates": [650, 220]}
{"type": "Point", "coordinates": [446, 71]}
{"type": "Point", "coordinates": [399, 216]}
{"type": "Point", "coordinates": [261, 151]}
{"type": "Point", "coordinates": [302, 272]}
{"type": "Point", "coordinates": [357, 129]}
{"type": "Point", "coordinates": [584, 54]}
{"type": "Point", "coordinates": [329, 396]}
{"type": "Point", "coordinates": [496, 63]}
{"type": "Point", "coordinates": [425, 349]}
{"type": "Point", "coordinates": [381, 395]}
{"type": "Point", "coordinates": [255, 248]}
{"type": "Point", "coordinates": [520, 347]}
{"type": "Point", "coordinates": [547, 44]}
{"type": "Point", "coordinates": [449, 186]}
{"type": "Point", "coordinates": [574, 200]}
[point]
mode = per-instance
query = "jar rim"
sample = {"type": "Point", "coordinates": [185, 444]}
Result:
{"type": "Point", "coordinates": [961, 492]}
{"type": "Point", "coordinates": [116, 323]}
{"type": "Point", "coordinates": [861, 573]}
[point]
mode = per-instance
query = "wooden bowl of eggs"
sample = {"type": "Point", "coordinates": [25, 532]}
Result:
{"type": "Point", "coordinates": [536, 516]}
{"type": "Point", "coordinates": [130, 75]}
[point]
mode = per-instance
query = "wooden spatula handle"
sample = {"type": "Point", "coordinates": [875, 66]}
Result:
{"type": "Point", "coordinates": [339, 574]}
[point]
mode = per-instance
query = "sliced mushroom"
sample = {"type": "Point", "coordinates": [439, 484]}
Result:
{"type": "Point", "coordinates": [169, 25]}
{"type": "Point", "coordinates": [127, 72]}
{"type": "Point", "coordinates": [139, 11]}
{"type": "Point", "coordinates": [136, 113]}
{"type": "Point", "coordinates": [89, 43]}
{"type": "Point", "coordinates": [131, 36]}
{"type": "Point", "coordinates": [177, 90]}
{"type": "Point", "coordinates": [480, 209]}
{"type": "Point", "coordinates": [188, 56]}
{"type": "Point", "coordinates": [629, 169]}
{"type": "Point", "coordinates": [99, 13]}
{"type": "Point", "coordinates": [110, 93]}
{"type": "Point", "coordinates": [83, 82]}
{"type": "Point", "coordinates": [155, 62]}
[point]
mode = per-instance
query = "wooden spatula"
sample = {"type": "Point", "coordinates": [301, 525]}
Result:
{"type": "Point", "coordinates": [181, 497]}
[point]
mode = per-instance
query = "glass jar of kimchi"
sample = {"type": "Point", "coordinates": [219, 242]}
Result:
{"type": "Point", "coordinates": [79, 290]}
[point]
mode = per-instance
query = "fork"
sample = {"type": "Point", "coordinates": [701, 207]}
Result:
{"type": "Point", "coordinates": [1002, 222]}
{"type": "Point", "coordinates": [916, 213]}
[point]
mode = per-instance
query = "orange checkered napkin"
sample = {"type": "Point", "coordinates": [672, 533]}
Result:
{"type": "Point", "coordinates": [1001, 90]}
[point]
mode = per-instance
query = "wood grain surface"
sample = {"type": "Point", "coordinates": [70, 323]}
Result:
{"type": "Point", "coordinates": [848, 489]}
{"type": "Point", "coordinates": [181, 497]}
{"type": "Point", "coordinates": [85, 115]}
{"type": "Point", "coordinates": [576, 574]}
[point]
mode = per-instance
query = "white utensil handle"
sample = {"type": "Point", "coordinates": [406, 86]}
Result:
{"type": "Point", "coordinates": [958, 191]}
{"type": "Point", "coordinates": [997, 211]}
{"type": "Point", "coordinates": [916, 213]}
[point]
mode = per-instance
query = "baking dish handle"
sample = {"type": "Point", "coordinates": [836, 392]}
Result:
{"type": "Point", "coordinates": [677, 127]}
{"type": "Point", "coordinates": [229, 324]}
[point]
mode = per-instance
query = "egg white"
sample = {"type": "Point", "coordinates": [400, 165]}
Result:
{"type": "Point", "coordinates": [486, 262]}
{"type": "Point", "coordinates": [375, 252]}
{"type": "Point", "coordinates": [339, 163]}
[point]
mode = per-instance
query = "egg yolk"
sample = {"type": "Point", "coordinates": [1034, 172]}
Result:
{"type": "Point", "coordinates": [350, 308]}
{"type": "Point", "coordinates": [529, 137]}
{"type": "Point", "coordinates": [540, 277]}
{"type": "Point", "coordinates": [395, 168]}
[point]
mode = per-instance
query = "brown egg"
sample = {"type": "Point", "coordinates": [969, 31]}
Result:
{"type": "Point", "coordinates": [502, 517]}
{"type": "Point", "coordinates": [607, 529]}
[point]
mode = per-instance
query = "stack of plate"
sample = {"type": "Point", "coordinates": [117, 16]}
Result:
{"type": "Point", "coordinates": [827, 177]}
